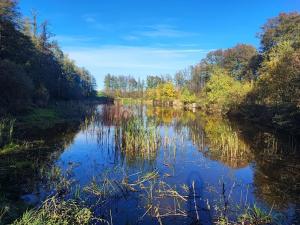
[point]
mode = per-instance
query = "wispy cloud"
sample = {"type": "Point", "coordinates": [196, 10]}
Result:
{"type": "Point", "coordinates": [92, 21]}
{"type": "Point", "coordinates": [130, 37]}
{"type": "Point", "coordinates": [74, 40]}
{"type": "Point", "coordinates": [163, 30]}
{"type": "Point", "coordinates": [89, 18]}
{"type": "Point", "coordinates": [138, 31]}
{"type": "Point", "coordinates": [137, 61]}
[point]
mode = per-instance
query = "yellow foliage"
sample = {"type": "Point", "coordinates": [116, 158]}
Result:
{"type": "Point", "coordinates": [223, 92]}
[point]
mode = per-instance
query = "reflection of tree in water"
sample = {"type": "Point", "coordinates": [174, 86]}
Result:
{"type": "Point", "coordinates": [213, 136]}
{"type": "Point", "coordinates": [276, 157]}
{"type": "Point", "coordinates": [163, 115]}
{"type": "Point", "coordinates": [126, 135]}
{"type": "Point", "coordinates": [20, 172]}
{"type": "Point", "coordinates": [276, 176]}
{"type": "Point", "coordinates": [225, 143]}
{"type": "Point", "coordinates": [277, 173]}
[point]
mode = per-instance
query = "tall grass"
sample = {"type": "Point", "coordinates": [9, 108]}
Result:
{"type": "Point", "coordinates": [55, 211]}
{"type": "Point", "coordinates": [139, 139]}
{"type": "Point", "coordinates": [6, 131]}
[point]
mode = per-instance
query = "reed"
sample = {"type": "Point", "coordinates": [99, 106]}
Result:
{"type": "Point", "coordinates": [139, 139]}
{"type": "Point", "coordinates": [56, 211]}
{"type": "Point", "coordinates": [6, 131]}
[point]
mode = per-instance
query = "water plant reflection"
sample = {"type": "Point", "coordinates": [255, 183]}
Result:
{"type": "Point", "coordinates": [165, 166]}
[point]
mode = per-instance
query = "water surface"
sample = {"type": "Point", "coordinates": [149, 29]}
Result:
{"type": "Point", "coordinates": [220, 166]}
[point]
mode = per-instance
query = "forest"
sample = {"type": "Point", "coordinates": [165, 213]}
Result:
{"type": "Point", "coordinates": [34, 70]}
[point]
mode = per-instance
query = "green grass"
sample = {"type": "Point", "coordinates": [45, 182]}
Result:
{"type": "Point", "coordinates": [134, 101]}
{"type": "Point", "coordinates": [55, 212]}
{"type": "Point", "coordinates": [101, 94]}
{"type": "Point", "coordinates": [61, 112]}
{"type": "Point", "coordinates": [41, 117]}
{"type": "Point", "coordinates": [12, 147]}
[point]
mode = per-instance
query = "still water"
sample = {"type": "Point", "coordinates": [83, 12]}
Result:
{"type": "Point", "coordinates": [145, 165]}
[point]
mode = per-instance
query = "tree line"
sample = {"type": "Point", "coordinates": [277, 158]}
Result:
{"type": "Point", "coordinates": [227, 79]}
{"type": "Point", "coordinates": [189, 84]}
{"type": "Point", "coordinates": [33, 68]}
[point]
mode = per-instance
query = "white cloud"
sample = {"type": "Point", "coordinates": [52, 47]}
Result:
{"type": "Point", "coordinates": [137, 61]}
{"type": "Point", "coordinates": [130, 38]}
{"type": "Point", "coordinates": [163, 30]}
{"type": "Point", "coordinates": [75, 40]}
{"type": "Point", "coordinates": [89, 18]}
{"type": "Point", "coordinates": [69, 39]}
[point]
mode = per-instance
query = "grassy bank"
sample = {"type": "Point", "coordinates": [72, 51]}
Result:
{"type": "Point", "coordinates": [16, 130]}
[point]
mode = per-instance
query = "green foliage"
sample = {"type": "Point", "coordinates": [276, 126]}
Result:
{"type": "Point", "coordinates": [153, 81]}
{"type": "Point", "coordinates": [163, 92]}
{"type": "Point", "coordinates": [41, 116]}
{"type": "Point", "coordinates": [166, 91]}
{"type": "Point", "coordinates": [284, 27]}
{"type": "Point", "coordinates": [101, 94]}
{"type": "Point", "coordinates": [255, 216]}
{"type": "Point", "coordinates": [186, 96]}
{"type": "Point", "coordinates": [33, 68]}
{"type": "Point", "coordinates": [55, 212]}
{"type": "Point", "coordinates": [222, 91]}
{"type": "Point", "coordinates": [279, 80]}
{"type": "Point", "coordinates": [123, 86]}
{"type": "Point", "coordinates": [180, 79]}
{"type": "Point", "coordinates": [240, 61]}
{"type": "Point", "coordinates": [6, 131]}
{"type": "Point", "coordinates": [16, 87]}
{"type": "Point", "coordinates": [139, 139]}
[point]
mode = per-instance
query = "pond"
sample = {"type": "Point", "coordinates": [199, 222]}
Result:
{"type": "Point", "coordinates": [149, 165]}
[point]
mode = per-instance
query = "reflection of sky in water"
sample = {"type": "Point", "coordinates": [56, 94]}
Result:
{"type": "Point", "coordinates": [181, 162]}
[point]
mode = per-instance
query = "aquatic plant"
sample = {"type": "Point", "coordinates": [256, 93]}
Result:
{"type": "Point", "coordinates": [6, 131]}
{"type": "Point", "coordinates": [138, 139]}
{"type": "Point", "coordinates": [58, 212]}
{"type": "Point", "coordinates": [226, 144]}
{"type": "Point", "coordinates": [255, 216]}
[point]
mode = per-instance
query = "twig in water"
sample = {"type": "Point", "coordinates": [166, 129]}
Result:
{"type": "Point", "coordinates": [197, 215]}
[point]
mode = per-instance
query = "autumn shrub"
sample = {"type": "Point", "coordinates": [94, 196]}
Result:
{"type": "Point", "coordinates": [186, 96]}
{"type": "Point", "coordinates": [222, 92]}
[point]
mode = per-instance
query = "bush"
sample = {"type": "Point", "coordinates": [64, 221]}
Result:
{"type": "Point", "coordinates": [223, 92]}
{"type": "Point", "coordinates": [186, 96]}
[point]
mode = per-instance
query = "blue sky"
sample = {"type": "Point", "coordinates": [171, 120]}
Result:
{"type": "Point", "coordinates": [140, 37]}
